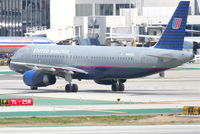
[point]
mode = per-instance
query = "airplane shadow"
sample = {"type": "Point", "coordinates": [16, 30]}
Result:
{"type": "Point", "coordinates": [98, 91]}
{"type": "Point", "coordinates": [28, 91]}
{"type": "Point", "coordinates": [134, 92]}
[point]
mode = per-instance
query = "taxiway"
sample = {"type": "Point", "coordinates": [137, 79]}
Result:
{"type": "Point", "coordinates": [180, 87]}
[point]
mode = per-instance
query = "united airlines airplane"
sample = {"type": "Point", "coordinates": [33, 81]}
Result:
{"type": "Point", "coordinates": [105, 65]}
{"type": "Point", "coordinates": [12, 44]}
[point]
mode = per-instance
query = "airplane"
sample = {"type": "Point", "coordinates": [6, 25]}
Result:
{"type": "Point", "coordinates": [105, 65]}
{"type": "Point", "coordinates": [12, 44]}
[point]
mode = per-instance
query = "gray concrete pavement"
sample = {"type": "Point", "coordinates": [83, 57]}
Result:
{"type": "Point", "coordinates": [180, 87]}
{"type": "Point", "coordinates": [159, 129]}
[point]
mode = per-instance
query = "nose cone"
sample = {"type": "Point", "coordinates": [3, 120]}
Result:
{"type": "Point", "coordinates": [17, 57]}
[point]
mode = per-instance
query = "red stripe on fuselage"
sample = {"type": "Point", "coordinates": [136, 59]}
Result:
{"type": "Point", "coordinates": [93, 66]}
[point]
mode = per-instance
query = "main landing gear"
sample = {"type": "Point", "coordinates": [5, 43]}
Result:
{"type": "Point", "coordinates": [34, 88]}
{"type": "Point", "coordinates": [118, 86]}
{"type": "Point", "coordinates": [70, 87]}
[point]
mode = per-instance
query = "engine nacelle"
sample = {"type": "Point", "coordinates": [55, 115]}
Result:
{"type": "Point", "coordinates": [38, 79]}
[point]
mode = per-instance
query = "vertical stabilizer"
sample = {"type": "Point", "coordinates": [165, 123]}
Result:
{"type": "Point", "coordinates": [173, 36]}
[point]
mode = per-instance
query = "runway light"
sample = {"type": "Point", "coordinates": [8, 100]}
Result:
{"type": "Point", "coordinates": [118, 100]}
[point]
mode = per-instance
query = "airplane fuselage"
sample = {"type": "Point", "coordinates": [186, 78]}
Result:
{"type": "Point", "coordinates": [12, 44]}
{"type": "Point", "coordinates": [102, 62]}
{"type": "Point", "coordinates": [105, 65]}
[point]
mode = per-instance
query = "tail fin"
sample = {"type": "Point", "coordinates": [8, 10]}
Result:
{"type": "Point", "coordinates": [173, 36]}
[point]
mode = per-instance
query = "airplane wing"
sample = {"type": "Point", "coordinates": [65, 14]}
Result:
{"type": "Point", "coordinates": [51, 68]}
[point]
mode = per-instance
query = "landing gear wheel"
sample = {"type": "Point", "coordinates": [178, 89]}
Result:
{"type": "Point", "coordinates": [74, 88]}
{"type": "Point", "coordinates": [121, 86]}
{"type": "Point", "coordinates": [68, 88]}
{"type": "Point", "coordinates": [115, 87]}
{"type": "Point", "coordinates": [34, 88]}
{"type": "Point", "coordinates": [162, 74]}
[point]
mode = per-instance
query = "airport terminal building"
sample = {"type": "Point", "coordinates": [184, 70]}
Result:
{"type": "Point", "coordinates": [130, 16]}
{"type": "Point", "coordinates": [17, 16]}
{"type": "Point", "coordinates": [94, 18]}
{"type": "Point", "coordinates": [91, 18]}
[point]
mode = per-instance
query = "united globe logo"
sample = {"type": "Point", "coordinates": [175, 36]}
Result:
{"type": "Point", "coordinates": [176, 24]}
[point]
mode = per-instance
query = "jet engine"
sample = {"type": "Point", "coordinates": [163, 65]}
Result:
{"type": "Point", "coordinates": [34, 78]}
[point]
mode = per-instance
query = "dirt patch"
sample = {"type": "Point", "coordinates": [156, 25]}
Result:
{"type": "Point", "coordinates": [169, 119]}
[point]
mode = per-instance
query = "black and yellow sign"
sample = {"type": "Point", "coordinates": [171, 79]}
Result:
{"type": "Point", "coordinates": [190, 110]}
{"type": "Point", "coordinates": [4, 102]}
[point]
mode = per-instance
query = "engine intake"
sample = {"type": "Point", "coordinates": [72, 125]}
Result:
{"type": "Point", "coordinates": [38, 79]}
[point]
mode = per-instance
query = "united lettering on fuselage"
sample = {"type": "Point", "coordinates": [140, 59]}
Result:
{"type": "Point", "coordinates": [50, 51]}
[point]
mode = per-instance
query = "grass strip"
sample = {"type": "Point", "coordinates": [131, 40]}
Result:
{"type": "Point", "coordinates": [98, 120]}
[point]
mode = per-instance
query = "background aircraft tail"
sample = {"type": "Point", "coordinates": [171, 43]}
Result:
{"type": "Point", "coordinates": [173, 36]}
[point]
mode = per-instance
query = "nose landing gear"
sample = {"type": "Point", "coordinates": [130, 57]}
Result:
{"type": "Point", "coordinates": [70, 87]}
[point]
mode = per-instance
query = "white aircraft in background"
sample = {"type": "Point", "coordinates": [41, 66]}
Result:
{"type": "Point", "coordinates": [9, 45]}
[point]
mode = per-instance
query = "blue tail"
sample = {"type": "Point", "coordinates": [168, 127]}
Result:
{"type": "Point", "coordinates": [173, 36]}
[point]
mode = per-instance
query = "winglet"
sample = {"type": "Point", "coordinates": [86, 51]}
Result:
{"type": "Point", "coordinates": [173, 36]}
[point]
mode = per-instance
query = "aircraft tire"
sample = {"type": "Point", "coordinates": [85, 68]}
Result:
{"type": "Point", "coordinates": [121, 86]}
{"type": "Point", "coordinates": [68, 88]}
{"type": "Point", "coordinates": [34, 88]}
{"type": "Point", "coordinates": [115, 87]}
{"type": "Point", "coordinates": [74, 88]}
{"type": "Point", "coordinates": [162, 74]}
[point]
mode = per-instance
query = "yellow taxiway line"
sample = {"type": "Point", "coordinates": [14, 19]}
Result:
{"type": "Point", "coordinates": [116, 112]}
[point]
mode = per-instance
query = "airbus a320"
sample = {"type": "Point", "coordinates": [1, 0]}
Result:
{"type": "Point", "coordinates": [105, 65]}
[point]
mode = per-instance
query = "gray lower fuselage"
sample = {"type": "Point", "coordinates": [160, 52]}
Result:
{"type": "Point", "coordinates": [102, 62]}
